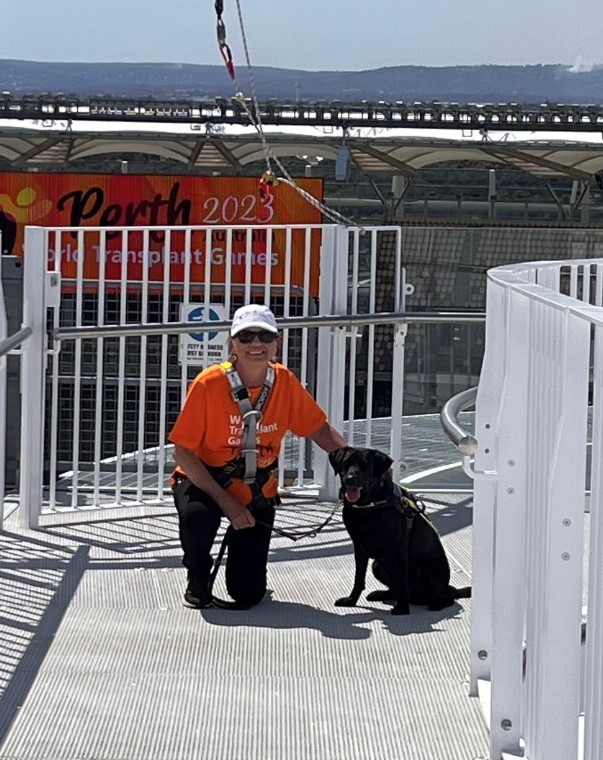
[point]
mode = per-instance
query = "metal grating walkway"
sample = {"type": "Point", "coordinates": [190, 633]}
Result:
{"type": "Point", "coordinates": [99, 660]}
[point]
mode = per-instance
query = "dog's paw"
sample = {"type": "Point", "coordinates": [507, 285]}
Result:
{"type": "Point", "coordinates": [346, 601]}
{"type": "Point", "coordinates": [401, 609]}
{"type": "Point", "coordinates": [383, 595]}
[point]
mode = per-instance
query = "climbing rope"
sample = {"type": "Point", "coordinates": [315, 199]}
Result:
{"type": "Point", "coordinates": [269, 178]}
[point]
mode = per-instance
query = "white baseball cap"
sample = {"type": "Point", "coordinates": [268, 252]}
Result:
{"type": "Point", "coordinates": [253, 315]}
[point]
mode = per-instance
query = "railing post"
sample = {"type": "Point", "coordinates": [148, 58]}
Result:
{"type": "Point", "coordinates": [33, 368]}
{"type": "Point", "coordinates": [487, 414]}
{"type": "Point", "coordinates": [508, 587]}
{"type": "Point", "coordinates": [3, 372]}
{"type": "Point", "coordinates": [331, 345]}
{"type": "Point", "coordinates": [556, 428]}
{"type": "Point", "coordinates": [398, 364]}
{"type": "Point", "coordinates": [593, 672]}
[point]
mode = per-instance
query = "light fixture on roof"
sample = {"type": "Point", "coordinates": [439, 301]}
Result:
{"type": "Point", "coordinates": [311, 162]}
{"type": "Point", "coordinates": [492, 184]}
{"type": "Point", "coordinates": [342, 163]}
{"type": "Point", "coordinates": [492, 192]}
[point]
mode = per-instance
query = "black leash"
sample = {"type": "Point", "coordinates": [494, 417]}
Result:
{"type": "Point", "coordinates": [292, 536]}
{"type": "Point", "coordinates": [223, 603]}
{"type": "Point", "coordinates": [296, 535]}
{"type": "Point", "coordinates": [217, 563]}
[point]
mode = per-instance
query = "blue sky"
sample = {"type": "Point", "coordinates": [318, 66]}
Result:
{"type": "Point", "coordinates": [308, 34]}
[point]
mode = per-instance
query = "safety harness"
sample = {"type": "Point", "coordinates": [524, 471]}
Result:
{"type": "Point", "coordinates": [245, 466]}
{"type": "Point", "coordinates": [251, 414]}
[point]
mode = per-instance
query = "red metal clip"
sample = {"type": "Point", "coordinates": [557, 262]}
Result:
{"type": "Point", "coordinates": [264, 189]}
{"type": "Point", "coordinates": [267, 182]}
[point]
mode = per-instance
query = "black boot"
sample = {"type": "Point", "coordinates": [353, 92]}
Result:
{"type": "Point", "coordinates": [197, 594]}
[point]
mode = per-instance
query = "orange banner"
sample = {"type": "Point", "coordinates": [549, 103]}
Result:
{"type": "Point", "coordinates": [116, 200]}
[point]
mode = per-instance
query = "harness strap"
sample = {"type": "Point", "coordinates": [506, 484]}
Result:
{"type": "Point", "coordinates": [404, 501]}
{"type": "Point", "coordinates": [234, 469]}
{"type": "Point", "coordinates": [251, 414]}
{"type": "Point", "coordinates": [412, 507]}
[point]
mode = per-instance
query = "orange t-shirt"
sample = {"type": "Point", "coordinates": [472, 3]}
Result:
{"type": "Point", "coordinates": [210, 422]}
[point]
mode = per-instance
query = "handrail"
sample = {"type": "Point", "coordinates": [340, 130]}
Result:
{"type": "Point", "coordinates": [537, 456]}
{"type": "Point", "coordinates": [15, 340]}
{"type": "Point", "coordinates": [357, 320]}
{"type": "Point", "coordinates": [465, 442]}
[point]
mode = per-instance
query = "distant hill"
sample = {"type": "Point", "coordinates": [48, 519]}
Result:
{"type": "Point", "coordinates": [456, 84]}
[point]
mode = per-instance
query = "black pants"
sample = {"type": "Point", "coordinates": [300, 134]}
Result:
{"type": "Point", "coordinates": [199, 519]}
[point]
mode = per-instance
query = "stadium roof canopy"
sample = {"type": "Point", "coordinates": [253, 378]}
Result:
{"type": "Point", "coordinates": [229, 149]}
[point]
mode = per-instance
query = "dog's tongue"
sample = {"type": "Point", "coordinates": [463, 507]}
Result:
{"type": "Point", "coordinates": [352, 493]}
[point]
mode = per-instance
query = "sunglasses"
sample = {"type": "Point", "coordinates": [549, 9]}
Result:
{"type": "Point", "coordinates": [248, 336]}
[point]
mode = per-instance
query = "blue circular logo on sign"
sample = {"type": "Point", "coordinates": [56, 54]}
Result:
{"type": "Point", "coordinates": [198, 315]}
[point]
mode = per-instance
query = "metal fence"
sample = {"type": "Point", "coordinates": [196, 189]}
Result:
{"type": "Point", "coordinates": [105, 373]}
{"type": "Point", "coordinates": [8, 343]}
{"type": "Point", "coordinates": [536, 664]}
{"type": "Point", "coordinates": [133, 313]}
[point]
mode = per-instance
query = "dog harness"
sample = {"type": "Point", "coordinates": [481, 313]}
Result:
{"type": "Point", "coordinates": [404, 501]}
{"type": "Point", "coordinates": [411, 507]}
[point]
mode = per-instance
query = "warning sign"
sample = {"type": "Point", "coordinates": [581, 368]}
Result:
{"type": "Point", "coordinates": [204, 347]}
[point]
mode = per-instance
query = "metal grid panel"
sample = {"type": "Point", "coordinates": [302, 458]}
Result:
{"type": "Point", "coordinates": [102, 661]}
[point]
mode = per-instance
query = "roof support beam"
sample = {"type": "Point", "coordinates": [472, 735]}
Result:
{"type": "Point", "coordinates": [36, 150]}
{"type": "Point", "coordinates": [400, 166]}
{"type": "Point", "coordinates": [582, 189]}
{"type": "Point", "coordinates": [70, 143]}
{"type": "Point", "coordinates": [195, 153]}
{"type": "Point", "coordinates": [228, 154]}
{"type": "Point", "coordinates": [505, 151]}
{"type": "Point", "coordinates": [557, 200]}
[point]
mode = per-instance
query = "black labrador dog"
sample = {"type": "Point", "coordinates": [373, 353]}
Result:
{"type": "Point", "coordinates": [387, 524]}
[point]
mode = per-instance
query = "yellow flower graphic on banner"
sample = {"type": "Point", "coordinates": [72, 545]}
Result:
{"type": "Point", "coordinates": [25, 208]}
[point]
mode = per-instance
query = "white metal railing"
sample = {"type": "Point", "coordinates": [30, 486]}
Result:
{"type": "Point", "coordinates": [7, 345]}
{"type": "Point", "coordinates": [542, 375]}
{"type": "Point", "coordinates": [75, 299]}
{"type": "Point", "coordinates": [112, 279]}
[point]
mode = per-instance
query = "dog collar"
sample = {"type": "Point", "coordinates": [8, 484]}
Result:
{"type": "Point", "coordinates": [370, 505]}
